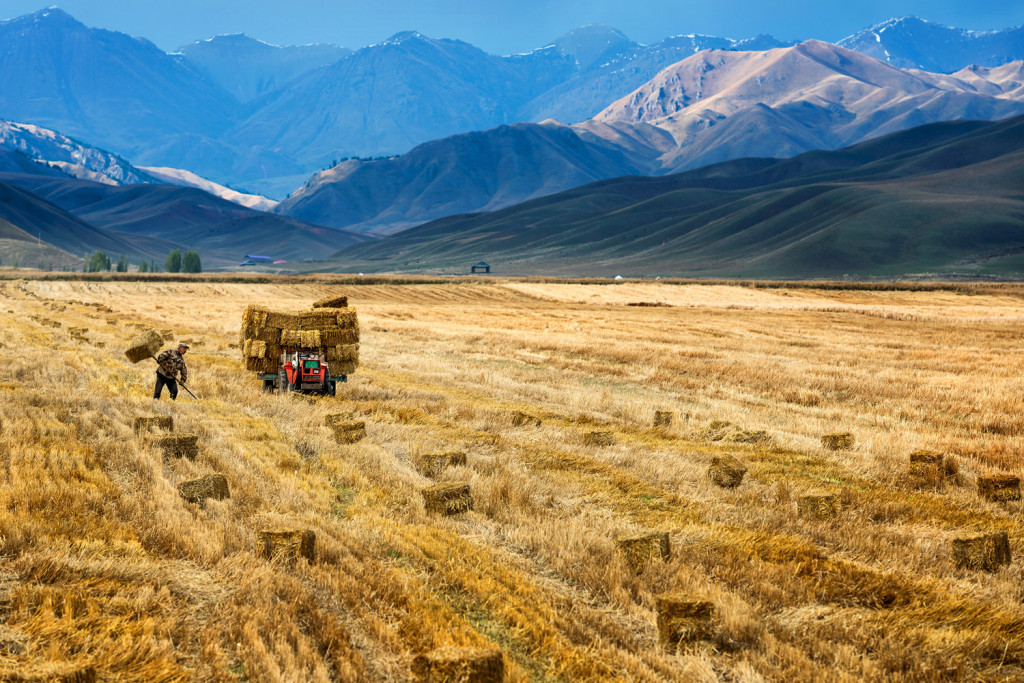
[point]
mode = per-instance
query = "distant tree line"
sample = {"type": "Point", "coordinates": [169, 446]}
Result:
{"type": "Point", "coordinates": [176, 262]}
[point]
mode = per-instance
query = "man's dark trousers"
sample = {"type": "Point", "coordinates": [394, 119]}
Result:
{"type": "Point", "coordinates": [172, 386]}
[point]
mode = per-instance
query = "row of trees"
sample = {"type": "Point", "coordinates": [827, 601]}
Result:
{"type": "Point", "coordinates": [176, 262]}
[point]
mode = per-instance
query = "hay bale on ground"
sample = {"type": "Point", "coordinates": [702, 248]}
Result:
{"type": "Point", "coordinates": [50, 672]}
{"type": "Point", "coordinates": [331, 302]}
{"type": "Point", "coordinates": [818, 506]}
{"type": "Point", "coordinates": [431, 465]}
{"type": "Point", "coordinates": [986, 552]}
{"type": "Point", "coordinates": [447, 499]}
{"type": "Point", "coordinates": [683, 620]}
{"type": "Point", "coordinates": [640, 549]}
{"type": "Point", "coordinates": [999, 487]}
{"type": "Point", "coordinates": [841, 441]}
{"type": "Point", "coordinates": [459, 664]}
{"type": "Point", "coordinates": [287, 545]}
{"type": "Point", "coordinates": [726, 471]}
{"type": "Point", "coordinates": [924, 462]}
{"type": "Point", "coordinates": [664, 418]}
{"type": "Point", "coordinates": [111, 321]}
{"type": "Point", "coordinates": [144, 346]}
{"type": "Point", "coordinates": [723, 430]}
{"type": "Point", "coordinates": [147, 422]}
{"type": "Point", "coordinates": [168, 335]}
{"type": "Point", "coordinates": [332, 419]}
{"type": "Point", "coordinates": [178, 445]}
{"type": "Point", "coordinates": [348, 431]}
{"type": "Point", "coordinates": [520, 418]}
{"type": "Point", "coordinates": [598, 439]}
{"type": "Point", "coordinates": [211, 486]}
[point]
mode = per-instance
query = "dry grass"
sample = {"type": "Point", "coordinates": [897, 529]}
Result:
{"type": "Point", "coordinates": [104, 565]}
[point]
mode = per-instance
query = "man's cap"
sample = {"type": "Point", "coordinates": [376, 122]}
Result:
{"type": "Point", "coordinates": [182, 344]}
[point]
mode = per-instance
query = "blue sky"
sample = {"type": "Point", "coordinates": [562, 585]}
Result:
{"type": "Point", "coordinates": [507, 26]}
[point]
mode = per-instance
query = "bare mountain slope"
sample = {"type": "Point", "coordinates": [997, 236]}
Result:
{"type": "Point", "coordinates": [820, 95]}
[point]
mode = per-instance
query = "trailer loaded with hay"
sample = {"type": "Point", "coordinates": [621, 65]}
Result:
{"type": "Point", "coordinates": [304, 352]}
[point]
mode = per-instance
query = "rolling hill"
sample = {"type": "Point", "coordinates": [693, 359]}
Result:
{"type": "Point", "coordinates": [941, 199]}
{"type": "Point", "coordinates": [147, 220]}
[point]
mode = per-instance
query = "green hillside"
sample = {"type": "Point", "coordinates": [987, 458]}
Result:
{"type": "Point", "coordinates": [944, 199]}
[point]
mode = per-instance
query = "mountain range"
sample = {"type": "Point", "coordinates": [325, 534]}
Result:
{"type": "Point", "coordinates": [260, 117]}
{"type": "Point", "coordinates": [713, 106]}
{"type": "Point", "coordinates": [413, 128]}
{"type": "Point", "coordinates": [143, 220]}
{"type": "Point", "coordinates": [941, 199]}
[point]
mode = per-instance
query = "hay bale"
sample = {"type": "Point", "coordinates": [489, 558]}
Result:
{"type": "Point", "coordinates": [50, 672]}
{"type": "Point", "coordinates": [111, 321]}
{"type": "Point", "coordinates": [924, 462]}
{"type": "Point", "coordinates": [818, 506]}
{"type": "Point", "coordinates": [640, 549]}
{"type": "Point", "coordinates": [348, 431]}
{"type": "Point", "coordinates": [332, 419]}
{"type": "Point", "coordinates": [459, 664]}
{"type": "Point", "coordinates": [520, 418]}
{"type": "Point", "coordinates": [287, 545]}
{"type": "Point", "coordinates": [147, 422]}
{"type": "Point", "coordinates": [683, 620]}
{"type": "Point", "coordinates": [999, 487]}
{"type": "Point", "coordinates": [344, 353]}
{"type": "Point", "coordinates": [431, 465]}
{"type": "Point", "coordinates": [168, 335]}
{"type": "Point", "coordinates": [343, 368]}
{"type": "Point", "coordinates": [178, 445]}
{"type": "Point", "coordinates": [723, 430]}
{"type": "Point", "coordinates": [211, 486]}
{"type": "Point", "coordinates": [338, 336]}
{"type": "Point", "coordinates": [331, 302]}
{"type": "Point", "coordinates": [986, 552]}
{"type": "Point", "coordinates": [447, 499]}
{"type": "Point", "coordinates": [144, 346]}
{"type": "Point", "coordinates": [841, 441]}
{"type": "Point", "coordinates": [726, 471]}
{"type": "Point", "coordinates": [663, 418]}
{"type": "Point", "coordinates": [598, 439]}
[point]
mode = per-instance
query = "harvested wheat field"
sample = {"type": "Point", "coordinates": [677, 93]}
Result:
{"type": "Point", "coordinates": [106, 567]}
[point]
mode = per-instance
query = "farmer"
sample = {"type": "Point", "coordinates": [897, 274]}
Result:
{"type": "Point", "coordinates": [171, 363]}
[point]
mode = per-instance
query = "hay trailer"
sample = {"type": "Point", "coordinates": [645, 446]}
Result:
{"type": "Point", "coordinates": [302, 372]}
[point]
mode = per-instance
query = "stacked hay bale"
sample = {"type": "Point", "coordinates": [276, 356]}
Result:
{"type": "Point", "coordinates": [459, 664]}
{"type": "Point", "coordinates": [640, 549]}
{"type": "Point", "coordinates": [331, 331]}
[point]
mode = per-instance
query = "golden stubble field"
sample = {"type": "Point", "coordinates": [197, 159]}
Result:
{"type": "Point", "coordinates": [104, 565]}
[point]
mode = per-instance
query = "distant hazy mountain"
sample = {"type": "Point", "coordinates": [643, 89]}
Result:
{"type": "Point", "coordinates": [939, 199]}
{"type": "Point", "coordinates": [713, 106]}
{"type": "Point", "coordinates": [912, 43]}
{"type": "Point", "coordinates": [73, 157]}
{"type": "Point", "coordinates": [612, 66]}
{"type": "Point", "coordinates": [721, 105]}
{"type": "Point", "coordinates": [250, 115]}
{"type": "Point", "coordinates": [386, 98]}
{"type": "Point", "coordinates": [117, 91]}
{"type": "Point", "coordinates": [472, 172]}
{"type": "Point", "coordinates": [79, 160]}
{"type": "Point", "coordinates": [248, 68]}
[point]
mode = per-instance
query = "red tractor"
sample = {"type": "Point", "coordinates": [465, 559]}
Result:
{"type": "Point", "coordinates": [302, 372]}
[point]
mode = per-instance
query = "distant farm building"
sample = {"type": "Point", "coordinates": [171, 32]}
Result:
{"type": "Point", "coordinates": [482, 267]}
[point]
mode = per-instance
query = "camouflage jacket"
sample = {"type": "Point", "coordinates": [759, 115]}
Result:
{"type": "Point", "coordinates": [171, 363]}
